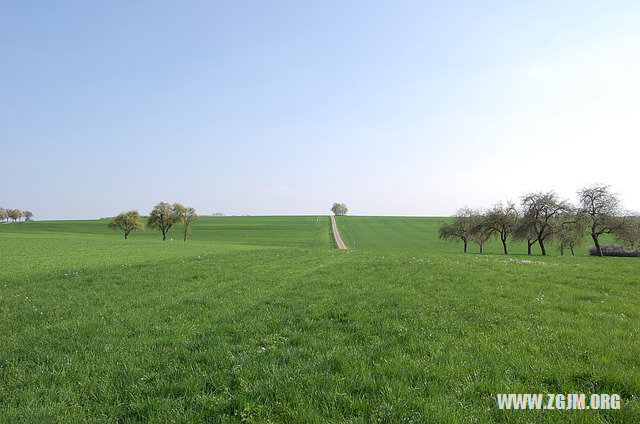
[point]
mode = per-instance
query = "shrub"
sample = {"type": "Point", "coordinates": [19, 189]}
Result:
{"type": "Point", "coordinates": [615, 250]}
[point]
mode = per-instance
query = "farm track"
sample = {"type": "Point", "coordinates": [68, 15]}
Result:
{"type": "Point", "coordinates": [336, 234]}
{"type": "Point", "coordinates": [352, 235]}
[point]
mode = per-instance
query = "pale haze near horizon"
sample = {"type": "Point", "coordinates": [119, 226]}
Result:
{"type": "Point", "coordinates": [394, 108]}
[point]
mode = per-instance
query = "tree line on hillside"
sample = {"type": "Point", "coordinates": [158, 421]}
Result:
{"type": "Point", "coordinates": [162, 217]}
{"type": "Point", "coordinates": [15, 215]}
{"type": "Point", "coordinates": [543, 218]}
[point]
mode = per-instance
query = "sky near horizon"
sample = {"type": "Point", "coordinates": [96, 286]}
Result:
{"type": "Point", "coordinates": [283, 107]}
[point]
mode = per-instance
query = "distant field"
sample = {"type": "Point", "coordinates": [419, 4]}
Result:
{"type": "Point", "coordinates": [420, 233]}
{"type": "Point", "coordinates": [292, 231]}
{"type": "Point", "coordinates": [260, 319]}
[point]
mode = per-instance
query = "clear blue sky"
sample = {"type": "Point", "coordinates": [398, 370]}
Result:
{"type": "Point", "coordinates": [274, 107]}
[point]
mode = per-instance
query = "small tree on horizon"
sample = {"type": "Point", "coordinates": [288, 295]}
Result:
{"type": "Point", "coordinates": [3, 214]}
{"type": "Point", "coordinates": [163, 216]}
{"type": "Point", "coordinates": [28, 215]}
{"type": "Point", "coordinates": [339, 209]}
{"type": "Point", "coordinates": [128, 222]}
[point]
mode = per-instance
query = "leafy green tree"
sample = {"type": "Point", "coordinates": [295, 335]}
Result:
{"type": "Point", "coordinates": [186, 216]}
{"type": "Point", "coordinates": [339, 209]}
{"type": "Point", "coordinates": [127, 222]}
{"type": "Point", "coordinates": [162, 217]}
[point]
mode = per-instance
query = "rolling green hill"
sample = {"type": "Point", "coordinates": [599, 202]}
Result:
{"type": "Point", "coordinates": [260, 319]}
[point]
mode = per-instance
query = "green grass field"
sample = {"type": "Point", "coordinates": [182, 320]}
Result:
{"type": "Point", "coordinates": [261, 319]}
{"type": "Point", "coordinates": [420, 234]}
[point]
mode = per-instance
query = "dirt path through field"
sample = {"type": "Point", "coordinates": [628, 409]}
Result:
{"type": "Point", "coordinates": [336, 234]}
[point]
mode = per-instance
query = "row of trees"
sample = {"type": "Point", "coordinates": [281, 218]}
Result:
{"type": "Point", "coordinates": [15, 215]}
{"type": "Point", "coordinates": [544, 218]}
{"type": "Point", "coordinates": [162, 217]}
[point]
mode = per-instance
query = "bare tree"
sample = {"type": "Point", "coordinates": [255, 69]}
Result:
{"type": "Point", "coordinates": [570, 232]}
{"type": "Point", "coordinates": [28, 215]}
{"type": "Point", "coordinates": [480, 231]}
{"type": "Point", "coordinates": [186, 216]}
{"type": "Point", "coordinates": [601, 209]}
{"type": "Point", "coordinates": [128, 222]}
{"type": "Point", "coordinates": [525, 232]}
{"type": "Point", "coordinates": [630, 232]}
{"type": "Point", "coordinates": [163, 216]}
{"type": "Point", "coordinates": [539, 211]}
{"type": "Point", "coordinates": [458, 228]}
{"type": "Point", "coordinates": [503, 220]}
{"type": "Point", "coordinates": [339, 209]}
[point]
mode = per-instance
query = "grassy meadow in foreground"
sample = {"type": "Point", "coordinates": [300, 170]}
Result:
{"type": "Point", "coordinates": [259, 319]}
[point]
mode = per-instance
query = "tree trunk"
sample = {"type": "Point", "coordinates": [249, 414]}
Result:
{"type": "Point", "coordinates": [164, 235]}
{"type": "Point", "coordinates": [126, 235]}
{"type": "Point", "coordinates": [596, 243]}
{"type": "Point", "coordinates": [572, 252]}
{"type": "Point", "coordinates": [529, 244]}
{"type": "Point", "coordinates": [561, 249]}
{"type": "Point", "coordinates": [542, 249]}
{"type": "Point", "coordinates": [504, 245]}
{"type": "Point", "coordinates": [480, 247]}
{"type": "Point", "coordinates": [465, 246]}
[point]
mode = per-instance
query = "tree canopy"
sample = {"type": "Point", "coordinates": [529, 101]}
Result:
{"type": "Point", "coordinates": [602, 212]}
{"type": "Point", "coordinates": [539, 211]}
{"type": "Point", "coordinates": [163, 216]}
{"type": "Point", "coordinates": [339, 209]}
{"type": "Point", "coordinates": [186, 216]}
{"type": "Point", "coordinates": [15, 214]}
{"type": "Point", "coordinates": [459, 227]}
{"type": "Point", "coordinates": [127, 222]}
{"type": "Point", "coordinates": [503, 220]}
